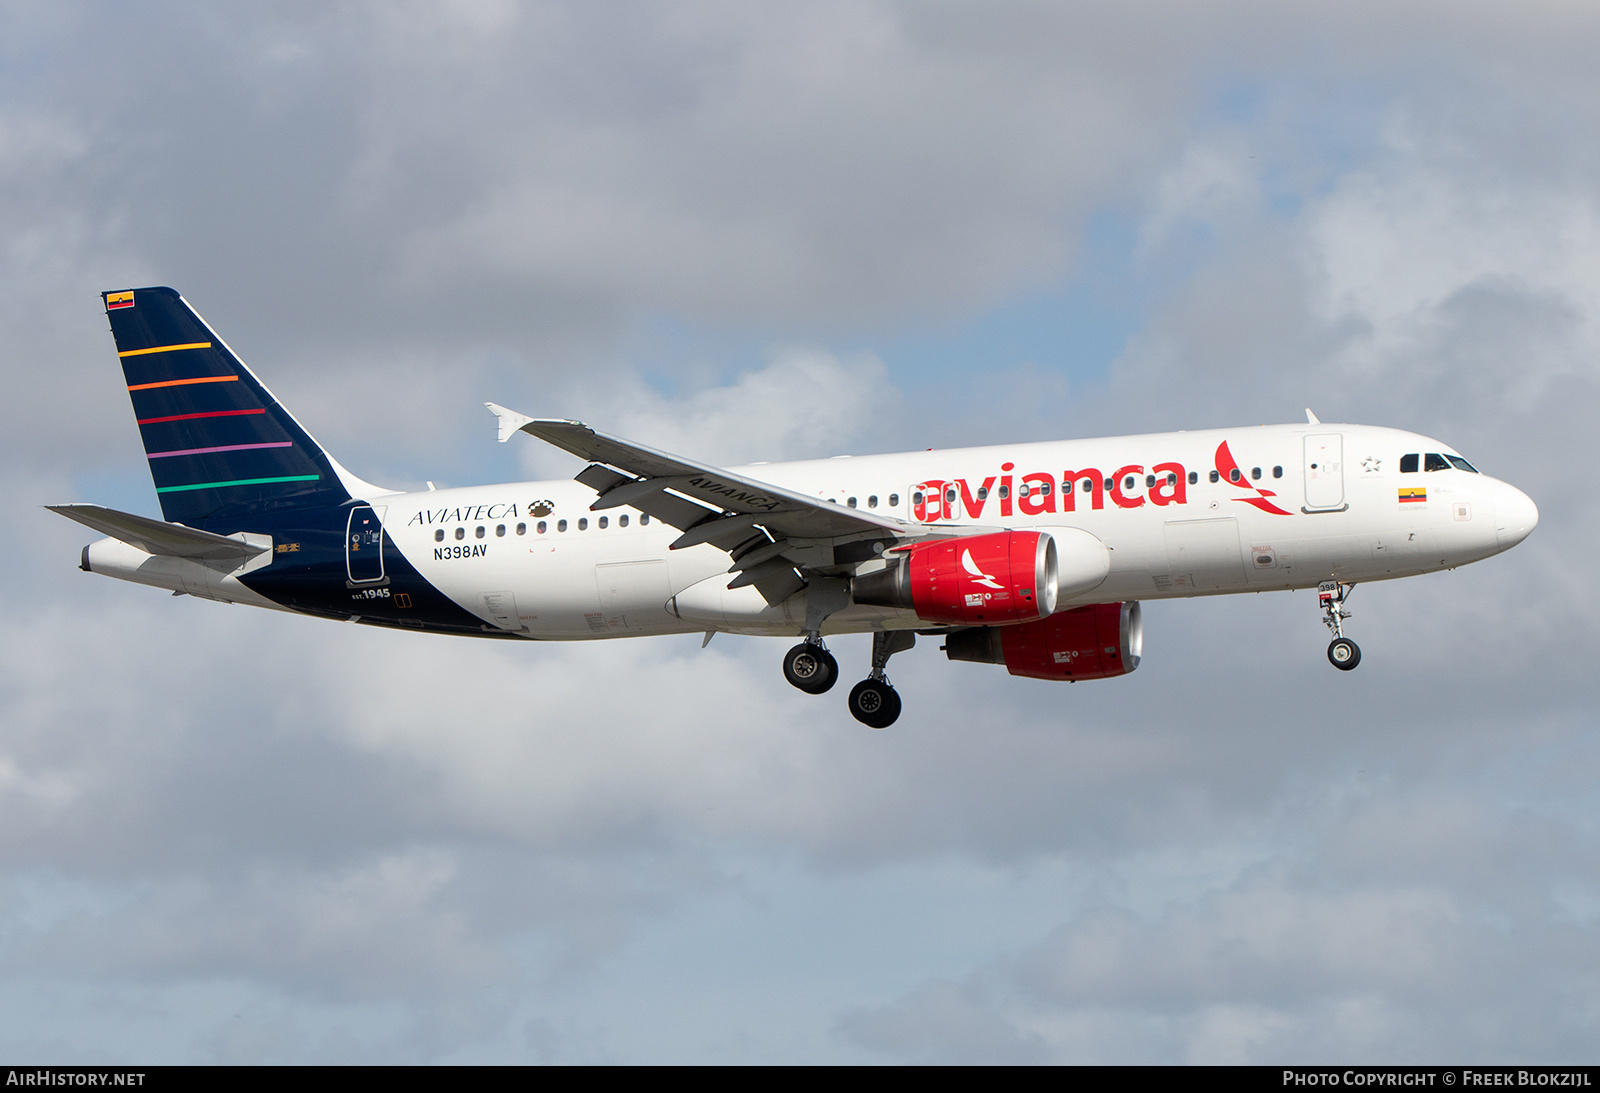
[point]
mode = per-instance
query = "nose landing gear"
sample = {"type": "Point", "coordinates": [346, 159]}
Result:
{"type": "Point", "coordinates": [1343, 653]}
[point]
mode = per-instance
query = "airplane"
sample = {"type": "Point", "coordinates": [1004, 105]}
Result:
{"type": "Point", "coordinates": [1031, 556]}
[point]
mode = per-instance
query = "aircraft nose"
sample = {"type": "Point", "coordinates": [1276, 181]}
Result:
{"type": "Point", "coordinates": [1515, 516]}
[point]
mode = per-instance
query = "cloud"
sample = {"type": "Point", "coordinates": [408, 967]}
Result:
{"type": "Point", "coordinates": [1283, 962]}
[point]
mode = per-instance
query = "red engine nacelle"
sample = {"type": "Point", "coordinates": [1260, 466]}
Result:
{"type": "Point", "coordinates": [1103, 639]}
{"type": "Point", "coordinates": [998, 579]}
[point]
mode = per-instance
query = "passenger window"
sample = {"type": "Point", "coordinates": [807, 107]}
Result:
{"type": "Point", "coordinates": [983, 493]}
{"type": "Point", "coordinates": [645, 519]}
{"type": "Point", "coordinates": [950, 496]}
{"type": "Point", "coordinates": [541, 527]}
{"type": "Point", "coordinates": [1005, 492]}
{"type": "Point", "coordinates": [1255, 473]}
{"type": "Point", "coordinates": [916, 498]}
{"type": "Point", "coordinates": [1128, 482]}
{"type": "Point", "coordinates": [1214, 476]}
{"type": "Point", "coordinates": [1066, 487]}
{"type": "Point", "coordinates": [583, 523]}
{"type": "Point", "coordinates": [1194, 478]}
{"type": "Point", "coordinates": [1408, 463]}
{"type": "Point", "coordinates": [622, 521]}
{"type": "Point", "coordinates": [1044, 489]}
{"type": "Point", "coordinates": [461, 533]}
{"type": "Point", "coordinates": [1277, 472]}
{"type": "Point", "coordinates": [479, 533]}
{"type": "Point", "coordinates": [1234, 475]}
{"type": "Point", "coordinates": [894, 500]}
{"type": "Point", "coordinates": [1149, 481]}
{"type": "Point", "coordinates": [522, 529]}
{"type": "Point", "coordinates": [1108, 484]}
{"type": "Point", "coordinates": [1434, 462]}
{"type": "Point", "coordinates": [499, 531]}
{"type": "Point", "coordinates": [438, 536]}
{"type": "Point", "coordinates": [1023, 490]}
{"type": "Point", "coordinates": [851, 501]}
{"type": "Point", "coordinates": [604, 520]}
{"type": "Point", "coordinates": [1461, 464]}
{"type": "Point", "coordinates": [872, 501]}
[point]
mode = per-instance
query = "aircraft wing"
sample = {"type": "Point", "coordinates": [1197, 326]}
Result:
{"type": "Point", "coordinates": [712, 505]}
{"type": "Point", "coordinates": [158, 536]}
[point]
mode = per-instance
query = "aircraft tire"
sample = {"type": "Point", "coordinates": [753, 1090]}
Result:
{"type": "Point", "coordinates": [874, 703]}
{"type": "Point", "coordinates": [810, 668]}
{"type": "Point", "coordinates": [1343, 654]}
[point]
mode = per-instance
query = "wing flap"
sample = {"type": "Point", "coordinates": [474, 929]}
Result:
{"type": "Point", "coordinates": [722, 532]}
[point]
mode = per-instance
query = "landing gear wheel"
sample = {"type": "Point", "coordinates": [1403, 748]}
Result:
{"type": "Point", "coordinates": [1343, 654]}
{"type": "Point", "coordinates": [810, 668]}
{"type": "Point", "coordinates": [874, 703]}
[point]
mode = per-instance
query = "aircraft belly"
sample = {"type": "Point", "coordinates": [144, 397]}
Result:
{"type": "Point", "coordinates": [710, 604]}
{"type": "Point", "coordinates": [563, 589]}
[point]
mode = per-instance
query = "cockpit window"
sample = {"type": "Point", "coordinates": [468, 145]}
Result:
{"type": "Point", "coordinates": [1434, 462]}
{"type": "Point", "coordinates": [1408, 463]}
{"type": "Point", "coordinates": [1461, 464]}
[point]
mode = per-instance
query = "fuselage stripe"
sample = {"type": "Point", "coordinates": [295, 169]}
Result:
{"type": "Point", "coordinates": [191, 417]}
{"type": "Point", "coordinates": [182, 383]}
{"type": "Point", "coordinates": [238, 482]}
{"type": "Point", "coordinates": [164, 349]}
{"type": "Point", "coordinates": [222, 448]}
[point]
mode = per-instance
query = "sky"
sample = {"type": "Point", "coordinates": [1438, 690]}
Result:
{"type": "Point", "coordinates": [750, 231]}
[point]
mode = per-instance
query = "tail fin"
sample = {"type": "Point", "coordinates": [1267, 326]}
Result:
{"type": "Point", "coordinates": [220, 446]}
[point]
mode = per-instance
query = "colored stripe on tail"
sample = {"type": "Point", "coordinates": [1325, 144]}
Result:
{"type": "Point", "coordinates": [220, 446]}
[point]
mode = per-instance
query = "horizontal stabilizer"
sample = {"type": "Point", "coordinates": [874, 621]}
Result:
{"type": "Point", "coordinates": [157, 536]}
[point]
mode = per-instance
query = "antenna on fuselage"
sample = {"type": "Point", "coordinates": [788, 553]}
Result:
{"type": "Point", "coordinates": [1311, 419]}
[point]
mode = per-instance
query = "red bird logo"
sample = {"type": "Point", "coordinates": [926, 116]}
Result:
{"type": "Point", "coordinates": [1229, 470]}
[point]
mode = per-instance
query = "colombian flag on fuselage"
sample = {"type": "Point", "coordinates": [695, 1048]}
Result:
{"type": "Point", "coordinates": [1413, 494]}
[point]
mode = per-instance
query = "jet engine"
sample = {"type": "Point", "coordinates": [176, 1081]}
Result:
{"type": "Point", "coordinates": [1000, 578]}
{"type": "Point", "coordinates": [1093, 642]}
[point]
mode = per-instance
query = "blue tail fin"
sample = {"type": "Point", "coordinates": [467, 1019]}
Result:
{"type": "Point", "coordinates": [220, 446]}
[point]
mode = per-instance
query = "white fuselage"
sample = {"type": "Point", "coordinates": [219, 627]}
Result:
{"type": "Point", "coordinates": [1313, 502]}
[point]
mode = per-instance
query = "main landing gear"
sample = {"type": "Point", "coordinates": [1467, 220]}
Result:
{"type": "Point", "coordinates": [1343, 653]}
{"type": "Point", "coordinates": [873, 702]}
{"type": "Point", "coordinates": [811, 667]}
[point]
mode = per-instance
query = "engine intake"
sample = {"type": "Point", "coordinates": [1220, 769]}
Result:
{"type": "Point", "coordinates": [1005, 577]}
{"type": "Point", "coordinates": [1093, 642]}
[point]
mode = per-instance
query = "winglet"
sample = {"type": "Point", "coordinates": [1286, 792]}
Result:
{"type": "Point", "coordinates": [510, 420]}
{"type": "Point", "coordinates": [1311, 419]}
